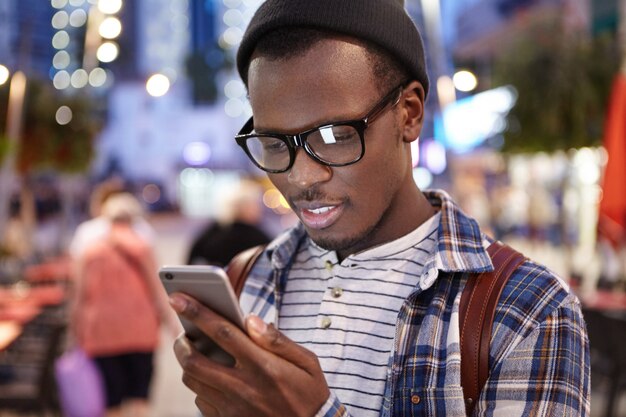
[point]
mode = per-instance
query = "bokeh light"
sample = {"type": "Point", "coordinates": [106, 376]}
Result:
{"type": "Point", "coordinates": [107, 52]}
{"type": "Point", "coordinates": [78, 18]}
{"type": "Point", "coordinates": [60, 20]}
{"type": "Point", "coordinates": [60, 40]}
{"type": "Point", "coordinates": [465, 81]}
{"type": "Point", "coordinates": [97, 77]}
{"type": "Point", "coordinates": [423, 178]}
{"type": "Point", "coordinates": [4, 74]}
{"type": "Point", "coordinates": [234, 107]}
{"type": "Point", "coordinates": [58, 4]}
{"type": "Point", "coordinates": [80, 78]}
{"type": "Point", "coordinates": [231, 37]}
{"type": "Point", "coordinates": [234, 89]}
{"type": "Point", "coordinates": [232, 3]}
{"type": "Point", "coordinates": [197, 153]}
{"type": "Point", "coordinates": [151, 193]}
{"type": "Point", "coordinates": [61, 80]}
{"type": "Point", "coordinates": [63, 115]}
{"type": "Point", "coordinates": [110, 28]}
{"type": "Point", "coordinates": [158, 85]}
{"type": "Point", "coordinates": [61, 60]}
{"type": "Point", "coordinates": [196, 177]}
{"type": "Point", "coordinates": [233, 17]}
{"type": "Point", "coordinates": [109, 6]}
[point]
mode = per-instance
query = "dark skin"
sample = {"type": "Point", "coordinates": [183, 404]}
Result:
{"type": "Point", "coordinates": [373, 202]}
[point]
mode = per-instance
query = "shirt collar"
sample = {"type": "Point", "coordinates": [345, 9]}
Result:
{"type": "Point", "coordinates": [460, 241]}
{"type": "Point", "coordinates": [460, 246]}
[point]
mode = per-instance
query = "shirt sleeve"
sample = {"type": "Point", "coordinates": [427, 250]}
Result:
{"type": "Point", "coordinates": [546, 374]}
{"type": "Point", "coordinates": [333, 408]}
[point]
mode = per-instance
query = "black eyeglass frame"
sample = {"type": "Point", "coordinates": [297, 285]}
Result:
{"type": "Point", "coordinates": [300, 139]}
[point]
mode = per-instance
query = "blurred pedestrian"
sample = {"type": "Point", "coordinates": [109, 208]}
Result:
{"type": "Point", "coordinates": [237, 227]}
{"type": "Point", "coordinates": [119, 305]}
{"type": "Point", "coordinates": [98, 226]}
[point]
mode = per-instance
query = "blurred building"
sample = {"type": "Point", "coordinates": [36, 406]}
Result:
{"type": "Point", "coordinates": [502, 20]}
{"type": "Point", "coordinates": [25, 35]}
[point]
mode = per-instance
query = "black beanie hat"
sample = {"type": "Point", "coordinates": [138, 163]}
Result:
{"type": "Point", "coordinates": [383, 22]}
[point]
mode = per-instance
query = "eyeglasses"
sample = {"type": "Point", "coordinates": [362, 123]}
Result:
{"type": "Point", "coordinates": [333, 144]}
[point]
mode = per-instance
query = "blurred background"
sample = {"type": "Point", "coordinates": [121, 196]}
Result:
{"type": "Point", "coordinates": [526, 128]}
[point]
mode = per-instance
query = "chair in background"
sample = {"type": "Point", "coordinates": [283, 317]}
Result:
{"type": "Point", "coordinates": [32, 387]}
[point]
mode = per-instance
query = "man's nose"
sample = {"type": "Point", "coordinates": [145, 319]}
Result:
{"type": "Point", "coordinates": [306, 171]}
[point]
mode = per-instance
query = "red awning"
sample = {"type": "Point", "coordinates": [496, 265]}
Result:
{"type": "Point", "coordinates": [612, 219]}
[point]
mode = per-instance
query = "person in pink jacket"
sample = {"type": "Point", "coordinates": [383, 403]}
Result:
{"type": "Point", "coordinates": [119, 306]}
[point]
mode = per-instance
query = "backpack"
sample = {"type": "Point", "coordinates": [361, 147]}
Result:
{"type": "Point", "coordinates": [476, 311]}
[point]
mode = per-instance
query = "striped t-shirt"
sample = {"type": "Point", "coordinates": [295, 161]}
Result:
{"type": "Point", "coordinates": [346, 312]}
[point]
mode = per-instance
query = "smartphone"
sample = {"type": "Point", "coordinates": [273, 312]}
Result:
{"type": "Point", "coordinates": [210, 286]}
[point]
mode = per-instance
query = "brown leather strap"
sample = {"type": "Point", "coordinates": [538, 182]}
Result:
{"type": "Point", "coordinates": [240, 266]}
{"type": "Point", "coordinates": [476, 311]}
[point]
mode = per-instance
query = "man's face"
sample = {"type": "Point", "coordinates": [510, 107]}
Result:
{"type": "Point", "coordinates": [348, 208]}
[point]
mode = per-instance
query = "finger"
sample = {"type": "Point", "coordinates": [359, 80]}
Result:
{"type": "Point", "coordinates": [224, 401]}
{"type": "Point", "coordinates": [270, 339]}
{"type": "Point", "coordinates": [207, 410]}
{"type": "Point", "coordinates": [223, 332]}
{"type": "Point", "coordinates": [197, 366]}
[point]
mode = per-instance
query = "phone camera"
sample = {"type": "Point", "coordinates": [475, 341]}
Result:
{"type": "Point", "coordinates": [169, 275]}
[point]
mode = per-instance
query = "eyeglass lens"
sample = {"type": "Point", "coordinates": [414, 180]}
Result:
{"type": "Point", "coordinates": [338, 144]}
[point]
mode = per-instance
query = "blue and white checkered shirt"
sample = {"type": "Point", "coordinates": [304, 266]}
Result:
{"type": "Point", "coordinates": [539, 355]}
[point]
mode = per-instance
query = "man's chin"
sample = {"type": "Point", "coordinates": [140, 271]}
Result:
{"type": "Point", "coordinates": [334, 243]}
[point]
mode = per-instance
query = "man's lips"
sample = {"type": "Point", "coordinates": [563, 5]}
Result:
{"type": "Point", "coordinates": [316, 215]}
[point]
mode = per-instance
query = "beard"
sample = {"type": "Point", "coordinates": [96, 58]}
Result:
{"type": "Point", "coordinates": [348, 245]}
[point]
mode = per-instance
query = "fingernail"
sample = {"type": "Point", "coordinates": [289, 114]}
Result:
{"type": "Point", "coordinates": [256, 325]}
{"type": "Point", "coordinates": [178, 304]}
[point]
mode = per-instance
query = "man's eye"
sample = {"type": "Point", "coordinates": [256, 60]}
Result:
{"type": "Point", "coordinates": [275, 147]}
{"type": "Point", "coordinates": [337, 135]}
{"type": "Point", "coordinates": [345, 136]}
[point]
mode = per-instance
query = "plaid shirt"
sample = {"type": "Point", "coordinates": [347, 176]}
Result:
{"type": "Point", "coordinates": [539, 354]}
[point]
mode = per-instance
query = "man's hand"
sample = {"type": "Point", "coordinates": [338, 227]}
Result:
{"type": "Point", "coordinates": [272, 376]}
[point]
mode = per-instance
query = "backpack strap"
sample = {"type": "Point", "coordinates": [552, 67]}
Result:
{"type": "Point", "coordinates": [239, 267]}
{"type": "Point", "coordinates": [477, 310]}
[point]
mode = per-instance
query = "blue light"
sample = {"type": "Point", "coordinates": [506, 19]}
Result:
{"type": "Point", "coordinates": [197, 153]}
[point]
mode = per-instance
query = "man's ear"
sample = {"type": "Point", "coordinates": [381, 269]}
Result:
{"type": "Point", "coordinates": [413, 107]}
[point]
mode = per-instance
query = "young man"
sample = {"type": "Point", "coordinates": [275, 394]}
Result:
{"type": "Point", "coordinates": [355, 311]}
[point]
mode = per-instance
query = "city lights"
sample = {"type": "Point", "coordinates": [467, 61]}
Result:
{"type": "Point", "coordinates": [197, 153]}
{"type": "Point", "coordinates": [77, 57]}
{"type": "Point", "coordinates": [79, 78]}
{"type": "Point", "coordinates": [78, 18]}
{"type": "Point", "coordinates": [109, 6]}
{"type": "Point", "coordinates": [58, 4]}
{"type": "Point", "coordinates": [61, 60]}
{"type": "Point", "coordinates": [63, 115]}
{"type": "Point", "coordinates": [110, 28]}
{"type": "Point", "coordinates": [97, 77]}
{"type": "Point", "coordinates": [107, 52]}
{"type": "Point", "coordinates": [60, 20]}
{"type": "Point", "coordinates": [445, 91]}
{"type": "Point", "coordinates": [61, 80]}
{"type": "Point", "coordinates": [158, 85]}
{"type": "Point", "coordinates": [60, 40]}
{"type": "Point", "coordinates": [234, 89]}
{"type": "Point", "coordinates": [4, 74]}
{"type": "Point", "coordinates": [151, 193]}
{"type": "Point", "coordinates": [465, 81]}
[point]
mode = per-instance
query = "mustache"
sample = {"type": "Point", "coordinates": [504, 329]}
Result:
{"type": "Point", "coordinates": [311, 194]}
